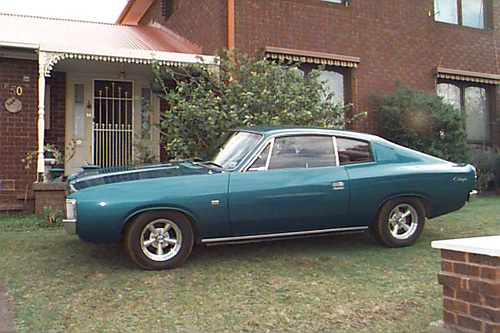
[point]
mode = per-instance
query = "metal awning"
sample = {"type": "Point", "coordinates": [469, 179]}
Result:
{"type": "Point", "coordinates": [50, 54]}
{"type": "Point", "coordinates": [459, 75]}
{"type": "Point", "coordinates": [311, 57]}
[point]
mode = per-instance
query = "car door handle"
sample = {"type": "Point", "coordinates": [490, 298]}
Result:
{"type": "Point", "coordinates": [338, 185]}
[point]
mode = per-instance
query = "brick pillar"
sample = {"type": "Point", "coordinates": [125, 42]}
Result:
{"type": "Point", "coordinates": [471, 289]}
{"type": "Point", "coordinates": [49, 196]}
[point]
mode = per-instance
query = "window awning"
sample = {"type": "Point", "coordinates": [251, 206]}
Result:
{"type": "Point", "coordinates": [311, 57]}
{"type": "Point", "coordinates": [459, 75]}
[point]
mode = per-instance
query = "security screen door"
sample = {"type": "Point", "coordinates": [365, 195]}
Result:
{"type": "Point", "coordinates": [113, 123]}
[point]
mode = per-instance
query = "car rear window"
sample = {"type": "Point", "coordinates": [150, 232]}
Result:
{"type": "Point", "coordinates": [352, 151]}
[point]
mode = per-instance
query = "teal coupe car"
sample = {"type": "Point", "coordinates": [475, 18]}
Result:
{"type": "Point", "coordinates": [267, 183]}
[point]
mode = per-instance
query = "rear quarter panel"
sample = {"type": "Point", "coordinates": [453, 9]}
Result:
{"type": "Point", "coordinates": [399, 171]}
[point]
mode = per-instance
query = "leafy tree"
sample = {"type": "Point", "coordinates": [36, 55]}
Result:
{"type": "Point", "coordinates": [423, 122]}
{"type": "Point", "coordinates": [204, 101]}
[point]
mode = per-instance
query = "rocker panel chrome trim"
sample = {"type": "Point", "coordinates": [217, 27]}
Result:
{"type": "Point", "coordinates": [278, 235]}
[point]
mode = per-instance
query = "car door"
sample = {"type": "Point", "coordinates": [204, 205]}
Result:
{"type": "Point", "coordinates": [293, 184]}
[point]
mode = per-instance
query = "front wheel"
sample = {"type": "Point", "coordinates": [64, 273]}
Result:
{"type": "Point", "coordinates": [159, 240]}
{"type": "Point", "coordinates": [400, 222]}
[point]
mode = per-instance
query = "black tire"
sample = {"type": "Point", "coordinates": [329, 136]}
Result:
{"type": "Point", "coordinates": [159, 240]}
{"type": "Point", "coordinates": [400, 222]}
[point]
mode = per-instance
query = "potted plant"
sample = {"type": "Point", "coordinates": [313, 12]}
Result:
{"type": "Point", "coordinates": [53, 158]}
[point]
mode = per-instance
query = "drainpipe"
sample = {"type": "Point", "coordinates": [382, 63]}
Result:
{"type": "Point", "coordinates": [230, 25]}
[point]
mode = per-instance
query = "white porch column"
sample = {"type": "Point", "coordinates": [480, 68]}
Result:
{"type": "Point", "coordinates": [40, 169]}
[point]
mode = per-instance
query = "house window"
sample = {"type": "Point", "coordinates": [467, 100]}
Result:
{"type": "Point", "coordinates": [473, 101]}
{"type": "Point", "coordinates": [334, 82]}
{"type": "Point", "coordinates": [469, 13]}
{"type": "Point", "coordinates": [336, 69]}
{"type": "Point", "coordinates": [79, 107]}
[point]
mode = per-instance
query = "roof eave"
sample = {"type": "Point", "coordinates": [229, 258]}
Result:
{"type": "Point", "coordinates": [145, 55]}
{"type": "Point", "coordinates": [134, 11]}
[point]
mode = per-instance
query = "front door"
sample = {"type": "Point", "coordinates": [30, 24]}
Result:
{"type": "Point", "coordinates": [101, 126]}
{"type": "Point", "coordinates": [299, 188]}
{"type": "Point", "coordinates": [113, 131]}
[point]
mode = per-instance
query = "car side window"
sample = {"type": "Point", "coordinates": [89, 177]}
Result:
{"type": "Point", "coordinates": [306, 151]}
{"type": "Point", "coordinates": [352, 151]}
{"type": "Point", "coordinates": [260, 162]}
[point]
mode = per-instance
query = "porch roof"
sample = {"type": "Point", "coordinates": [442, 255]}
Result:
{"type": "Point", "coordinates": [70, 34]}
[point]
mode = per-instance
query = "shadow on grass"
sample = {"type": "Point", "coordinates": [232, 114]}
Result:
{"type": "Point", "coordinates": [110, 256]}
{"type": "Point", "coordinates": [114, 256]}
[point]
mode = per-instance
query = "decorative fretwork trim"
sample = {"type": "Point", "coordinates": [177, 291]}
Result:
{"type": "Point", "coordinates": [311, 57]}
{"type": "Point", "coordinates": [467, 76]}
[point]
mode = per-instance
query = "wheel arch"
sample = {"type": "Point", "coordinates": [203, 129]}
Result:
{"type": "Point", "coordinates": [424, 200]}
{"type": "Point", "coordinates": [131, 217]}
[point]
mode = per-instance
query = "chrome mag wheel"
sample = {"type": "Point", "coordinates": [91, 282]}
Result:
{"type": "Point", "coordinates": [399, 222]}
{"type": "Point", "coordinates": [161, 240]}
{"type": "Point", "coordinates": [403, 221]}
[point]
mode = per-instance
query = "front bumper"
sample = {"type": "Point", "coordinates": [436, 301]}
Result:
{"type": "Point", "coordinates": [472, 196]}
{"type": "Point", "coordinates": [70, 226]}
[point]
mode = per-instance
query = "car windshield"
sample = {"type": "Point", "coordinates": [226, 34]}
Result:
{"type": "Point", "coordinates": [236, 147]}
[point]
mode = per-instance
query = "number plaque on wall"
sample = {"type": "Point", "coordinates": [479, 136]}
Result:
{"type": "Point", "coordinates": [13, 105]}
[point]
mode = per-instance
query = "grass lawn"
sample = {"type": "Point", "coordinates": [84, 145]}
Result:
{"type": "Point", "coordinates": [342, 283]}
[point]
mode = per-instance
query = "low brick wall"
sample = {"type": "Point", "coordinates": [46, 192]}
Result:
{"type": "Point", "coordinates": [471, 285]}
{"type": "Point", "coordinates": [49, 195]}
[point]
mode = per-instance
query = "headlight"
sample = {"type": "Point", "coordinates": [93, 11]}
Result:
{"type": "Point", "coordinates": [71, 209]}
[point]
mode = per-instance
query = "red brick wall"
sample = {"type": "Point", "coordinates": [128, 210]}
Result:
{"type": "Point", "coordinates": [18, 132]}
{"type": "Point", "coordinates": [471, 289]}
{"type": "Point", "coordinates": [393, 38]}
{"type": "Point", "coordinates": [202, 22]}
{"type": "Point", "coordinates": [55, 135]}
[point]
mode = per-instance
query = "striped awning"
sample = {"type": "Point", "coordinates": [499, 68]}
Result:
{"type": "Point", "coordinates": [311, 57]}
{"type": "Point", "coordinates": [459, 75]}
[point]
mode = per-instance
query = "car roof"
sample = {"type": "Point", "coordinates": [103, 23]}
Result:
{"type": "Point", "coordinates": [277, 130]}
{"type": "Point", "coordinates": [269, 131]}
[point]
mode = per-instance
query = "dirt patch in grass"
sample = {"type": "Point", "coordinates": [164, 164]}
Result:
{"type": "Point", "coordinates": [6, 309]}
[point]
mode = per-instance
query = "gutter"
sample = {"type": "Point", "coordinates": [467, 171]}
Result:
{"type": "Point", "coordinates": [17, 45]}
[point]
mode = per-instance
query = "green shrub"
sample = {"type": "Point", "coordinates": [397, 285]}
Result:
{"type": "Point", "coordinates": [205, 101]}
{"type": "Point", "coordinates": [422, 122]}
{"type": "Point", "coordinates": [487, 164]}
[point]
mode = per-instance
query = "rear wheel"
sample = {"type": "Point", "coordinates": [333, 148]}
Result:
{"type": "Point", "coordinates": [400, 222]}
{"type": "Point", "coordinates": [159, 240]}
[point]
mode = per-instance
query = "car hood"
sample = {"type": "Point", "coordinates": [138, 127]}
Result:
{"type": "Point", "coordinates": [103, 176]}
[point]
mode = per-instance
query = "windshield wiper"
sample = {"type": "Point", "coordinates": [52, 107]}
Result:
{"type": "Point", "coordinates": [212, 163]}
{"type": "Point", "coordinates": [209, 164]}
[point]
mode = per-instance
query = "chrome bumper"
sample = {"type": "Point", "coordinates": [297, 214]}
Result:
{"type": "Point", "coordinates": [472, 196]}
{"type": "Point", "coordinates": [70, 226]}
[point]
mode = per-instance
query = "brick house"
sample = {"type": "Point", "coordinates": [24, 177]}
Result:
{"type": "Point", "coordinates": [78, 86]}
{"type": "Point", "coordinates": [448, 46]}
{"type": "Point", "coordinates": [62, 68]}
